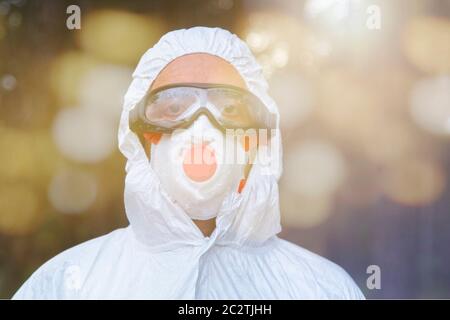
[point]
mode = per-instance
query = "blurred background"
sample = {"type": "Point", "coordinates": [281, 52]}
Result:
{"type": "Point", "coordinates": [365, 108]}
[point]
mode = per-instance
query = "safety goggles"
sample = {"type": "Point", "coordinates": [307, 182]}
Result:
{"type": "Point", "coordinates": [176, 106]}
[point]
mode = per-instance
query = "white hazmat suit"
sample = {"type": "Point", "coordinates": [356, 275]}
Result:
{"type": "Point", "coordinates": [162, 254]}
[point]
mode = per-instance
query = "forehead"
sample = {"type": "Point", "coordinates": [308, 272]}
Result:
{"type": "Point", "coordinates": [199, 68]}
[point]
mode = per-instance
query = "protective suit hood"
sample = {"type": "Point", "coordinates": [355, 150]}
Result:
{"type": "Point", "coordinates": [247, 218]}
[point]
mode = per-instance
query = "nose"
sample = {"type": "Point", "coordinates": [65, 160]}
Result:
{"type": "Point", "coordinates": [199, 162]}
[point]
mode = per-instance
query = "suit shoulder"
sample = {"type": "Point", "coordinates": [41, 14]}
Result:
{"type": "Point", "coordinates": [330, 279]}
{"type": "Point", "coordinates": [51, 280]}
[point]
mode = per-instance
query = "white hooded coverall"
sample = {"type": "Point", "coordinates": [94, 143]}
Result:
{"type": "Point", "coordinates": [162, 254]}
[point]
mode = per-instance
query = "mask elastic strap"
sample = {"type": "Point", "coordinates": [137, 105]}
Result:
{"type": "Point", "coordinates": [241, 185]}
{"type": "Point", "coordinates": [152, 137]}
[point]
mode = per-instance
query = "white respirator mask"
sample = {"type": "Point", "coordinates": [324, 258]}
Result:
{"type": "Point", "coordinates": [196, 169]}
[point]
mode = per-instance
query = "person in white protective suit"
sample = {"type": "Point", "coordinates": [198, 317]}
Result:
{"type": "Point", "coordinates": [203, 230]}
